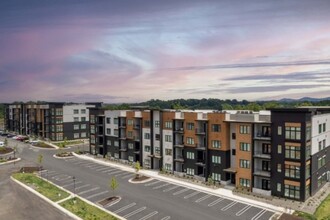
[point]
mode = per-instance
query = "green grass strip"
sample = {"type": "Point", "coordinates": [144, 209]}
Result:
{"type": "Point", "coordinates": [43, 187]}
{"type": "Point", "coordinates": [323, 211]}
{"type": "Point", "coordinates": [59, 144]}
{"type": "Point", "coordinates": [85, 210]}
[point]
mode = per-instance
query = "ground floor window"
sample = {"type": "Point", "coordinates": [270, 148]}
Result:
{"type": "Point", "coordinates": [292, 191]}
{"type": "Point", "coordinates": [116, 155]}
{"type": "Point", "coordinates": [244, 182]}
{"type": "Point", "coordinates": [168, 167]}
{"type": "Point", "coordinates": [190, 171]}
{"type": "Point", "coordinates": [76, 135]}
{"type": "Point", "coordinates": [83, 134]}
{"type": "Point", "coordinates": [130, 158]}
{"type": "Point", "coordinates": [147, 163]}
{"type": "Point", "coordinates": [216, 177]}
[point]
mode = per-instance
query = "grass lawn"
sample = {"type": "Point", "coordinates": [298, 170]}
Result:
{"type": "Point", "coordinates": [43, 145]}
{"type": "Point", "coordinates": [43, 187]}
{"type": "Point", "coordinates": [85, 211]}
{"type": "Point", "coordinates": [322, 212]}
{"type": "Point", "coordinates": [59, 144]}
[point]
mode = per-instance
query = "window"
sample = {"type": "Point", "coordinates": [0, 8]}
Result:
{"type": "Point", "coordinates": [146, 123]}
{"type": "Point", "coordinates": [108, 120]}
{"type": "Point", "coordinates": [190, 171]}
{"type": "Point", "coordinates": [116, 143]}
{"type": "Point", "coordinates": [93, 139]}
{"type": "Point", "coordinates": [292, 171]}
{"type": "Point", "coordinates": [168, 166]}
{"type": "Point", "coordinates": [156, 124]}
{"type": "Point", "coordinates": [233, 152]}
{"type": "Point", "coordinates": [279, 149]}
{"type": "Point", "coordinates": [157, 150]}
{"type": "Point", "coordinates": [115, 132]}
{"type": "Point", "coordinates": [321, 162]}
{"type": "Point", "coordinates": [83, 111]}
{"type": "Point", "coordinates": [216, 144]}
{"type": "Point", "coordinates": [129, 134]}
{"type": "Point", "coordinates": [147, 148]}
{"type": "Point", "coordinates": [109, 142]}
{"type": "Point", "coordinates": [76, 135]}
{"type": "Point", "coordinates": [59, 136]}
{"type": "Point", "coordinates": [168, 138]}
{"type": "Point", "coordinates": [191, 155]}
{"type": "Point", "coordinates": [244, 163]}
{"type": "Point", "coordinates": [244, 129]}
{"type": "Point", "coordinates": [75, 111]}
{"type": "Point", "coordinates": [108, 131]}
{"type": "Point", "coordinates": [76, 119]}
{"type": "Point", "coordinates": [279, 187]}
{"type": "Point", "coordinates": [324, 127]}
{"type": "Point", "coordinates": [59, 128]}
{"type": "Point", "coordinates": [308, 171]}
{"type": "Point", "coordinates": [59, 111]}
{"type": "Point", "coordinates": [129, 121]}
{"type": "Point", "coordinates": [233, 136]}
{"type": "Point", "coordinates": [244, 146]}
{"type": "Point", "coordinates": [266, 148]}
{"type": "Point", "coordinates": [83, 134]}
{"type": "Point", "coordinates": [320, 128]}
{"type": "Point", "coordinates": [93, 129]}
{"type": "Point", "coordinates": [59, 120]}
{"type": "Point", "coordinates": [146, 163]}
{"type": "Point", "coordinates": [292, 133]}
{"type": "Point", "coordinates": [130, 158]}
{"type": "Point", "coordinates": [190, 126]}
{"type": "Point", "coordinates": [168, 152]}
{"type": "Point", "coordinates": [83, 126]}
{"type": "Point", "coordinates": [92, 119]}
{"type": "Point", "coordinates": [321, 145]}
{"type": "Point", "coordinates": [216, 177]}
{"type": "Point", "coordinates": [168, 124]}
{"type": "Point", "coordinates": [292, 152]}
{"type": "Point", "coordinates": [157, 137]}
{"type": "Point", "coordinates": [83, 119]}
{"type": "Point", "coordinates": [279, 130]}
{"type": "Point", "coordinates": [215, 128]}
{"type": "Point", "coordinates": [146, 135]}
{"type": "Point", "coordinates": [130, 146]}
{"type": "Point", "coordinates": [244, 182]}
{"type": "Point", "coordinates": [115, 121]}
{"type": "Point", "coordinates": [279, 168]}
{"type": "Point", "coordinates": [308, 151]}
{"type": "Point", "coordinates": [265, 165]}
{"type": "Point", "coordinates": [308, 133]}
{"type": "Point", "coordinates": [292, 191]}
{"type": "Point", "coordinates": [321, 180]}
{"type": "Point", "coordinates": [190, 141]}
{"type": "Point", "coordinates": [216, 159]}
{"type": "Point", "coordinates": [75, 127]}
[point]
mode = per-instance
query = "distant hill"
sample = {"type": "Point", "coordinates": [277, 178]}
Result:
{"type": "Point", "coordinates": [305, 99]}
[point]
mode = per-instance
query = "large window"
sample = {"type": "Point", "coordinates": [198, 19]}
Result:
{"type": "Point", "coordinates": [244, 129]}
{"type": "Point", "coordinates": [190, 155]}
{"type": "Point", "coordinates": [146, 135]}
{"type": "Point", "coordinates": [292, 133]}
{"type": "Point", "coordinates": [215, 128]}
{"type": "Point", "coordinates": [76, 135]}
{"type": "Point", "coordinates": [216, 159]}
{"type": "Point", "coordinates": [292, 191]}
{"type": "Point", "coordinates": [83, 126]}
{"type": "Point", "coordinates": [216, 177]}
{"type": "Point", "coordinates": [265, 165]}
{"type": "Point", "coordinates": [130, 146]}
{"type": "Point", "coordinates": [321, 162]}
{"type": "Point", "coordinates": [168, 152]}
{"type": "Point", "coordinates": [308, 133]}
{"type": "Point", "coordinates": [83, 111]}
{"type": "Point", "coordinates": [83, 134]}
{"type": "Point", "coordinates": [190, 126]}
{"type": "Point", "coordinates": [147, 148]}
{"type": "Point", "coordinates": [308, 171]}
{"type": "Point", "coordinates": [292, 171]}
{"type": "Point", "coordinates": [59, 128]}
{"type": "Point", "coordinates": [266, 148]}
{"type": "Point", "coordinates": [320, 128]}
{"type": "Point", "coordinates": [244, 182]}
{"type": "Point", "coordinates": [244, 146]}
{"type": "Point", "coordinates": [108, 120]}
{"type": "Point", "coordinates": [292, 152]}
{"type": "Point", "coordinates": [168, 124]}
{"type": "Point", "coordinates": [76, 119]}
{"type": "Point", "coordinates": [190, 171]}
{"type": "Point", "coordinates": [146, 123]}
{"type": "Point", "coordinates": [190, 141]}
{"type": "Point", "coordinates": [156, 124]}
{"type": "Point", "coordinates": [216, 144]}
{"type": "Point", "coordinates": [129, 134]}
{"type": "Point", "coordinates": [168, 166]}
{"type": "Point", "coordinates": [168, 138]}
{"type": "Point", "coordinates": [75, 111]}
{"type": "Point", "coordinates": [83, 119]}
{"type": "Point", "coordinates": [108, 131]}
{"type": "Point", "coordinates": [129, 121]}
{"type": "Point", "coordinates": [115, 121]}
{"type": "Point", "coordinates": [75, 127]}
{"type": "Point", "coordinates": [244, 163]}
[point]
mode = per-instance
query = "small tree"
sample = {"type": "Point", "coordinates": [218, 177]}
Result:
{"type": "Point", "coordinates": [39, 160]}
{"type": "Point", "coordinates": [113, 185]}
{"type": "Point", "coordinates": [15, 149]}
{"type": "Point", "coordinates": [137, 167]}
{"type": "Point", "coordinates": [5, 142]}
{"type": "Point", "coordinates": [210, 180]}
{"type": "Point", "coordinates": [64, 143]}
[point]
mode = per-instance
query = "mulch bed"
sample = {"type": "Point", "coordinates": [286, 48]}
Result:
{"type": "Point", "coordinates": [29, 169]}
{"type": "Point", "coordinates": [106, 201]}
{"type": "Point", "coordinates": [140, 178]}
{"type": "Point", "coordinates": [42, 145]}
{"type": "Point", "coordinates": [65, 154]}
{"type": "Point", "coordinates": [5, 150]}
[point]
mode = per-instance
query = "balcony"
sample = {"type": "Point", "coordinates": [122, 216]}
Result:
{"type": "Point", "coordinates": [262, 137]}
{"type": "Point", "coordinates": [200, 147]}
{"type": "Point", "coordinates": [179, 159]}
{"type": "Point", "coordinates": [178, 130]}
{"type": "Point", "coordinates": [122, 137]}
{"type": "Point", "coordinates": [137, 151]}
{"type": "Point", "coordinates": [122, 126]}
{"type": "Point", "coordinates": [200, 162]}
{"type": "Point", "coordinates": [123, 149]}
{"type": "Point", "coordinates": [137, 127]}
{"type": "Point", "coordinates": [179, 145]}
{"type": "Point", "coordinates": [262, 173]}
{"type": "Point", "coordinates": [200, 131]}
{"type": "Point", "coordinates": [260, 154]}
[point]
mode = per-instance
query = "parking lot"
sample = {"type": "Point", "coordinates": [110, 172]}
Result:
{"type": "Point", "coordinates": [130, 208]}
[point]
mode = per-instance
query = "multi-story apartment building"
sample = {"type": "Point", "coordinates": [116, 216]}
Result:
{"type": "Point", "coordinates": [51, 120]}
{"type": "Point", "coordinates": [282, 152]}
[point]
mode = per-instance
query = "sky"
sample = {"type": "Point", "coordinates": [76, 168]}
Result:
{"type": "Point", "coordinates": [118, 51]}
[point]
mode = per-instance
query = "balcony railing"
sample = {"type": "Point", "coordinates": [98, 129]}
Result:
{"type": "Point", "coordinates": [200, 147]}
{"type": "Point", "coordinates": [263, 173]}
{"type": "Point", "coordinates": [262, 136]}
{"type": "Point", "coordinates": [179, 159]}
{"type": "Point", "coordinates": [200, 162]}
{"type": "Point", "coordinates": [179, 145]}
{"type": "Point", "coordinates": [200, 131]}
{"type": "Point", "coordinates": [137, 127]}
{"type": "Point", "coordinates": [260, 154]}
{"type": "Point", "coordinates": [178, 130]}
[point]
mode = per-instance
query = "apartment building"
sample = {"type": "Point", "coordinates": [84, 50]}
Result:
{"type": "Point", "coordinates": [52, 120]}
{"type": "Point", "coordinates": [281, 152]}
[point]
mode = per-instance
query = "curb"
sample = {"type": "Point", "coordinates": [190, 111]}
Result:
{"type": "Point", "coordinates": [43, 148]}
{"type": "Point", "coordinates": [56, 204]}
{"type": "Point", "coordinates": [61, 158]}
{"type": "Point", "coordinates": [11, 161]}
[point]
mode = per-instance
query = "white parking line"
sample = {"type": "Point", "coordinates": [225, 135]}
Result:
{"type": "Point", "coordinates": [240, 212]}
{"type": "Point", "coordinates": [169, 189]}
{"type": "Point", "coordinates": [215, 202]}
{"type": "Point", "coordinates": [259, 214]}
{"type": "Point", "coordinates": [94, 166]}
{"type": "Point", "coordinates": [125, 207]}
{"type": "Point", "coordinates": [120, 174]}
{"type": "Point", "coordinates": [53, 174]}
{"type": "Point", "coordinates": [71, 184]}
{"type": "Point", "coordinates": [108, 170]}
{"type": "Point", "coordinates": [161, 186]}
{"type": "Point", "coordinates": [166, 218]}
{"type": "Point", "coordinates": [65, 178]}
{"type": "Point", "coordinates": [135, 212]}
{"type": "Point", "coordinates": [97, 194]}
{"type": "Point", "coordinates": [83, 186]}
{"type": "Point", "coordinates": [103, 168]}
{"type": "Point", "coordinates": [118, 171]}
{"type": "Point", "coordinates": [67, 181]}
{"type": "Point", "coordinates": [180, 191]}
{"type": "Point", "coordinates": [79, 162]}
{"type": "Point", "coordinates": [86, 191]}
{"type": "Point", "coordinates": [87, 164]}
{"type": "Point", "coordinates": [149, 215]}
{"type": "Point", "coordinates": [203, 198]}
{"type": "Point", "coordinates": [191, 195]}
{"type": "Point", "coordinates": [71, 159]}
{"type": "Point", "coordinates": [229, 206]}
{"type": "Point", "coordinates": [153, 183]}
{"type": "Point", "coordinates": [127, 176]}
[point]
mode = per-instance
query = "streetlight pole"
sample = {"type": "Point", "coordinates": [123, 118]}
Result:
{"type": "Point", "coordinates": [74, 185]}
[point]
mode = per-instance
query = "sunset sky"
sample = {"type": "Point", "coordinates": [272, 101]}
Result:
{"type": "Point", "coordinates": [136, 50]}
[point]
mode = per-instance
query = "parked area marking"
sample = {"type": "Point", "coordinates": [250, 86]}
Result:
{"type": "Point", "coordinates": [135, 212]}
{"type": "Point", "coordinates": [97, 194]}
{"type": "Point", "coordinates": [86, 191]}
{"type": "Point", "coordinates": [83, 186]}
{"type": "Point", "coordinates": [149, 215]}
{"type": "Point", "coordinates": [229, 206]}
{"type": "Point", "coordinates": [259, 214]}
{"type": "Point", "coordinates": [103, 168]}
{"type": "Point", "coordinates": [125, 207]}
{"type": "Point", "coordinates": [161, 186]}
{"type": "Point", "coordinates": [215, 202]}
{"type": "Point", "coordinates": [166, 218]}
{"type": "Point", "coordinates": [71, 184]}
{"type": "Point", "coordinates": [126, 176]}
{"type": "Point", "coordinates": [191, 195]}
{"type": "Point", "coordinates": [181, 191]}
{"type": "Point", "coordinates": [153, 183]}
{"type": "Point", "coordinates": [203, 198]}
{"type": "Point", "coordinates": [169, 189]}
{"type": "Point", "coordinates": [240, 212]}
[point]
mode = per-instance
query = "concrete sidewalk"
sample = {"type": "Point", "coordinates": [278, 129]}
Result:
{"type": "Point", "coordinates": [226, 193]}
